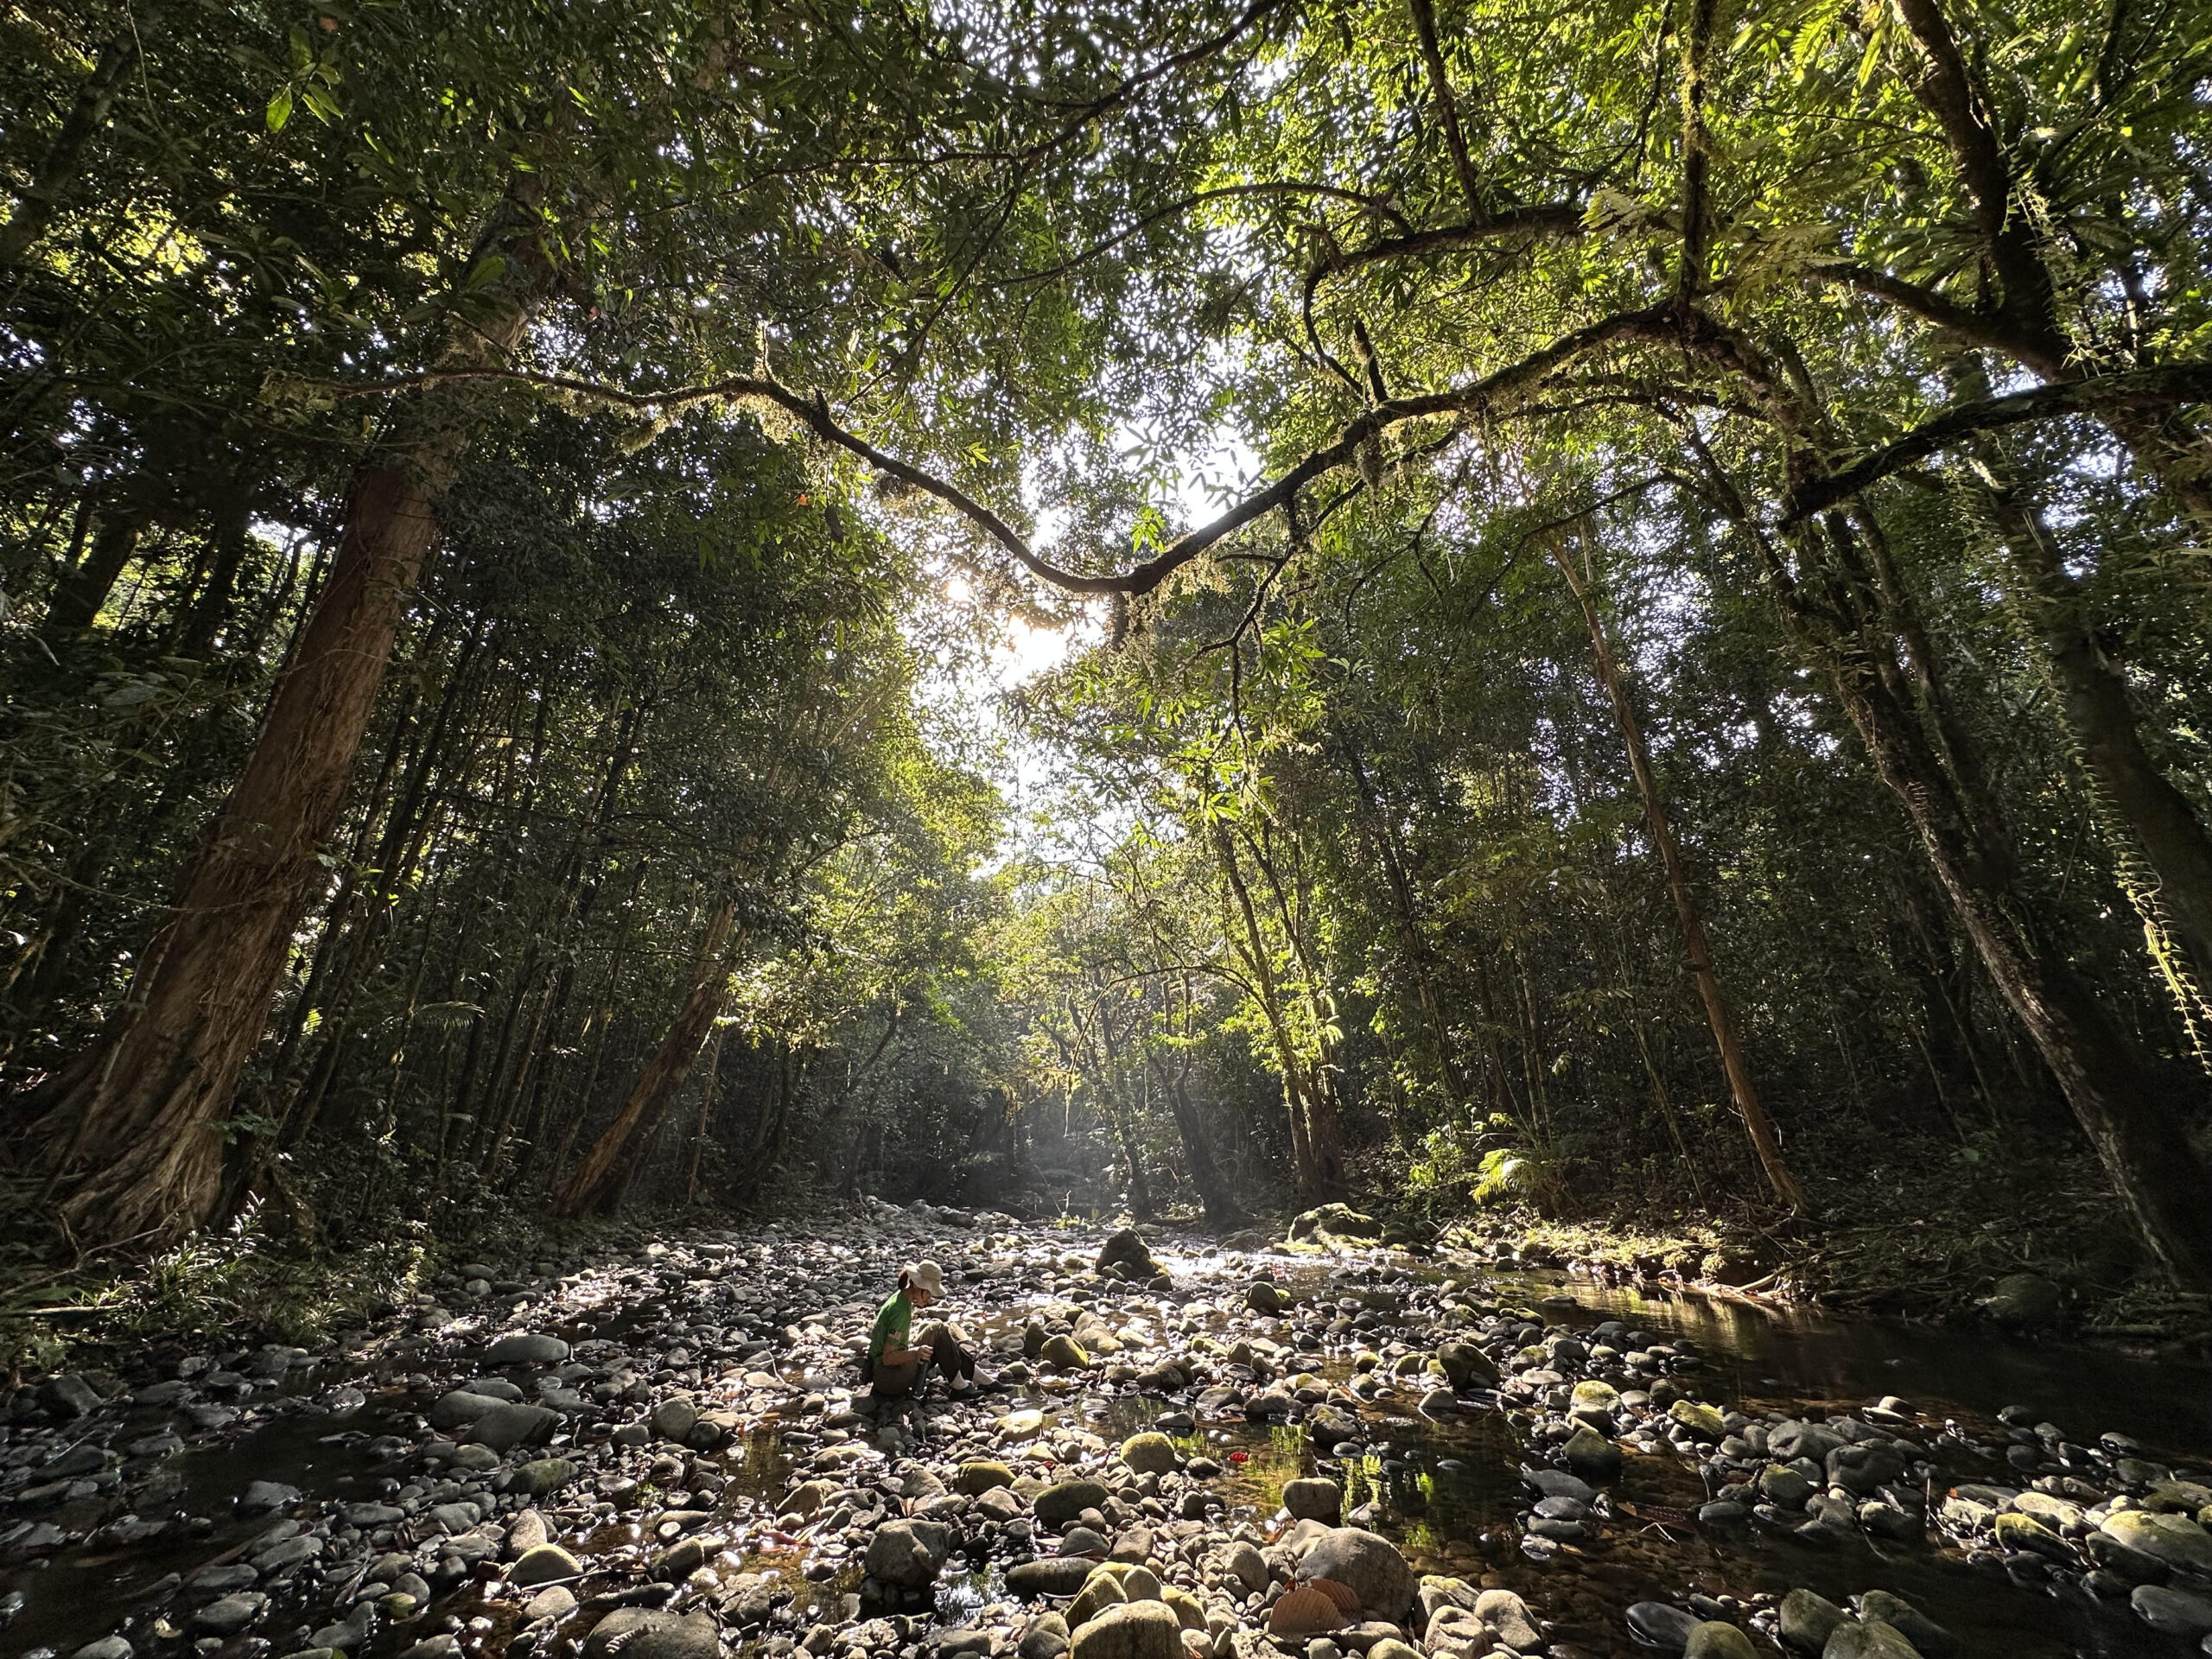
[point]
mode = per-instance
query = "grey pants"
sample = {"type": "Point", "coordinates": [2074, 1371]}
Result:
{"type": "Point", "coordinates": [948, 1354]}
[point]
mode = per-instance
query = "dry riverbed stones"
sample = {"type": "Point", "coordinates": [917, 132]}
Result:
{"type": "Point", "coordinates": [657, 1450]}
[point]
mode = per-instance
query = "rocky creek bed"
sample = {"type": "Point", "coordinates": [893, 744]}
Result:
{"type": "Point", "coordinates": [660, 1453]}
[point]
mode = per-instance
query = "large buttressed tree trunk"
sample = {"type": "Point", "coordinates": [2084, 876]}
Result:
{"type": "Point", "coordinates": [135, 1124]}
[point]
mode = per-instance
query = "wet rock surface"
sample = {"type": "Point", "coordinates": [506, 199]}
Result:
{"type": "Point", "coordinates": [660, 1449]}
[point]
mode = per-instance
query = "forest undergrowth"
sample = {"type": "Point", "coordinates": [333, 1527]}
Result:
{"type": "Point", "coordinates": [1924, 1237]}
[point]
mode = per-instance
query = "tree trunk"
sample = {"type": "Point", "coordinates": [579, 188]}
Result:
{"type": "Point", "coordinates": [1314, 1150]}
{"type": "Point", "coordinates": [210, 607]}
{"type": "Point", "coordinates": [1205, 1170]}
{"type": "Point", "coordinates": [2115, 1096]}
{"type": "Point", "coordinates": [1846, 628]}
{"type": "Point", "coordinates": [78, 596]}
{"type": "Point", "coordinates": [599, 1179]}
{"type": "Point", "coordinates": [2100, 712]}
{"type": "Point", "coordinates": [136, 1123]}
{"type": "Point", "coordinates": [1141, 1207]}
{"type": "Point", "coordinates": [65, 158]}
{"type": "Point", "coordinates": [1717, 1015]}
{"type": "Point", "coordinates": [706, 1110]}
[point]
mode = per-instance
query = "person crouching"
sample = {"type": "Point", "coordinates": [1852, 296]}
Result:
{"type": "Point", "coordinates": [899, 1355]}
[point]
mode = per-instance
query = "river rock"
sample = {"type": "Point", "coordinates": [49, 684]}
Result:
{"type": "Point", "coordinates": [1557, 1482]}
{"type": "Point", "coordinates": [1466, 1366]}
{"type": "Point", "coordinates": [1796, 1439]}
{"type": "Point", "coordinates": [1592, 1395]}
{"type": "Point", "coordinates": [543, 1565]}
{"type": "Point", "coordinates": [679, 1560]}
{"type": "Point", "coordinates": [68, 1395]}
{"type": "Point", "coordinates": [525, 1532]}
{"type": "Point", "coordinates": [1127, 1251]}
{"type": "Point", "coordinates": [1044, 1636]}
{"type": "Point", "coordinates": [1924, 1632]}
{"type": "Point", "coordinates": [266, 1496]}
{"type": "Point", "coordinates": [1785, 1486]}
{"type": "Point", "coordinates": [1063, 1501]}
{"type": "Point", "coordinates": [1131, 1629]}
{"type": "Point", "coordinates": [1868, 1639]}
{"type": "Point", "coordinates": [1079, 1540]}
{"type": "Point", "coordinates": [2054, 1512]}
{"type": "Point", "coordinates": [909, 1554]}
{"type": "Point", "coordinates": [1369, 1565]}
{"type": "Point", "coordinates": [2025, 1532]}
{"type": "Point", "coordinates": [543, 1476]}
{"type": "Point", "coordinates": [1336, 1220]}
{"type": "Point", "coordinates": [555, 1601]}
{"type": "Point", "coordinates": [458, 1408]}
{"type": "Point", "coordinates": [1248, 1566]}
{"type": "Point", "coordinates": [2114, 1557]}
{"type": "Point", "coordinates": [228, 1615]}
{"type": "Point", "coordinates": [1053, 1576]}
{"type": "Point", "coordinates": [2024, 1300]}
{"type": "Point", "coordinates": [1509, 1616]}
{"type": "Point", "coordinates": [1065, 1352]}
{"type": "Point", "coordinates": [1717, 1639]}
{"type": "Point", "coordinates": [1149, 1453]}
{"type": "Point", "coordinates": [674, 1417]}
{"type": "Point", "coordinates": [108, 1647]}
{"type": "Point", "coordinates": [1103, 1588]}
{"type": "Point", "coordinates": [642, 1633]}
{"type": "Point", "coordinates": [1702, 1419]}
{"type": "Point", "coordinates": [1657, 1624]}
{"type": "Point", "coordinates": [527, 1348]}
{"type": "Point", "coordinates": [2171, 1612]}
{"type": "Point", "coordinates": [1808, 1619]}
{"type": "Point", "coordinates": [1313, 1499]}
{"type": "Point", "coordinates": [505, 1427]}
{"type": "Point", "coordinates": [978, 1476]}
{"type": "Point", "coordinates": [1863, 1470]}
{"type": "Point", "coordinates": [1592, 1456]}
{"type": "Point", "coordinates": [2173, 1539]}
{"type": "Point", "coordinates": [1261, 1297]}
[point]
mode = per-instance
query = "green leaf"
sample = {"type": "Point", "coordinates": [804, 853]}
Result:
{"type": "Point", "coordinates": [279, 109]}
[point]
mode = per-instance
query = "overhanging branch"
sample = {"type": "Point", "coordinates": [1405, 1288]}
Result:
{"type": "Point", "coordinates": [2159, 389]}
{"type": "Point", "coordinates": [1490, 393]}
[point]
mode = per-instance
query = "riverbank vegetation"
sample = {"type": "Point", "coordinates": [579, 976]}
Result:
{"type": "Point", "coordinates": [1614, 603]}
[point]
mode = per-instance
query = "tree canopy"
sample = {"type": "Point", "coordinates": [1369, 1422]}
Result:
{"type": "Point", "coordinates": [1629, 576]}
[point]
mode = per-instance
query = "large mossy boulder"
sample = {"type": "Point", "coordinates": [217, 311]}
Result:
{"type": "Point", "coordinates": [1331, 1221]}
{"type": "Point", "coordinates": [1131, 1629]}
{"type": "Point", "coordinates": [1126, 1255]}
{"type": "Point", "coordinates": [1063, 1501]}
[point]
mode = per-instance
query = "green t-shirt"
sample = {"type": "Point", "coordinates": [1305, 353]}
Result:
{"type": "Point", "coordinates": [892, 1321]}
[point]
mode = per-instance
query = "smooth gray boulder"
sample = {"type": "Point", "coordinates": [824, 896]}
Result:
{"type": "Point", "coordinates": [909, 1554]}
{"type": "Point", "coordinates": [1366, 1563]}
{"type": "Point", "coordinates": [505, 1427]}
{"type": "Point", "coordinates": [527, 1348]}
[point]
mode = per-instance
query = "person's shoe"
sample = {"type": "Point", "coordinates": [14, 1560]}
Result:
{"type": "Point", "coordinates": [957, 1387]}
